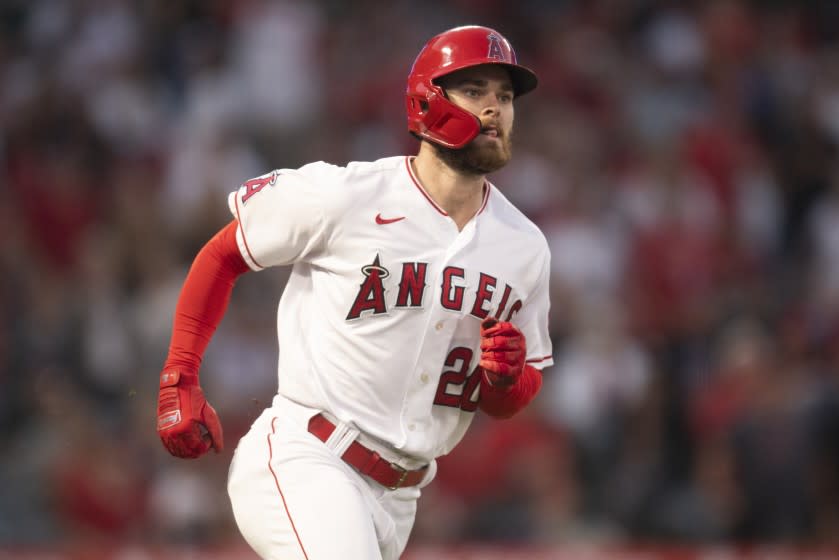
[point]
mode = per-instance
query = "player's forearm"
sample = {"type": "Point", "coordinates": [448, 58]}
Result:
{"type": "Point", "coordinates": [504, 402]}
{"type": "Point", "coordinates": [204, 299]}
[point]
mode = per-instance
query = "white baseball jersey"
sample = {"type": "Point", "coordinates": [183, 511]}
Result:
{"type": "Point", "coordinates": [379, 322]}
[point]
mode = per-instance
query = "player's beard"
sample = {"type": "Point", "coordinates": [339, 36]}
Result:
{"type": "Point", "coordinates": [478, 159]}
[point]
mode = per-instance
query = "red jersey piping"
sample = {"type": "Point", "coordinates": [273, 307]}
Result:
{"type": "Point", "coordinates": [431, 200]}
{"type": "Point", "coordinates": [242, 231]}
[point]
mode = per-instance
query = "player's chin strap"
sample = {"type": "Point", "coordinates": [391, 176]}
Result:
{"type": "Point", "coordinates": [342, 437]}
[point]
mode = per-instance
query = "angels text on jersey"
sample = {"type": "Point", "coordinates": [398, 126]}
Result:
{"type": "Point", "coordinates": [488, 295]}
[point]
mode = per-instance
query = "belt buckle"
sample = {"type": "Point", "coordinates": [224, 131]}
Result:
{"type": "Point", "coordinates": [402, 476]}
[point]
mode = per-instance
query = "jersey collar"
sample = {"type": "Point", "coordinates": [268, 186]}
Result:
{"type": "Point", "coordinates": [418, 185]}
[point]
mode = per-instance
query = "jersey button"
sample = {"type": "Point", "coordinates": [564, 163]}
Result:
{"type": "Point", "coordinates": [424, 378]}
{"type": "Point", "coordinates": [439, 325]}
{"type": "Point", "coordinates": [411, 427]}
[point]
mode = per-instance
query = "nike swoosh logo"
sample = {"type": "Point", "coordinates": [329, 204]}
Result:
{"type": "Point", "coordinates": [382, 221]}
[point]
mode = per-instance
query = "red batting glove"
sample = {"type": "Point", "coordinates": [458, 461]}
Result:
{"type": "Point", "coordinates": [503, 352]}
{"type": "Point", "coordinates": [188, 426]}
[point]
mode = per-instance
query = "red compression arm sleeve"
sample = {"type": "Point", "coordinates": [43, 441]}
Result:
{"type": "Point", "coordinates": [504, 402]}
{"type": "Point", "coordinates": [204, 298]}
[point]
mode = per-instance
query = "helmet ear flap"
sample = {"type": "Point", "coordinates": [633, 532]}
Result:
{"type": "Point", "coordinates": [435, 118]}
{"type": "Point", "coordinates": [445, 123]}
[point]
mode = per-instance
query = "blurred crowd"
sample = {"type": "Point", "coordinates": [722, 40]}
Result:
{"type": "Point", "coordinates": [680, 156]}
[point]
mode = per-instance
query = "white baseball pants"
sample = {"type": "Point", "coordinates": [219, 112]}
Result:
{"type": "Point", "coordinates": [293, 497]}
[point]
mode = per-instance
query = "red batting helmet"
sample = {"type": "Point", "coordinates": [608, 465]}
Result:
{"type": "Point", "coordinates": [430, 114]}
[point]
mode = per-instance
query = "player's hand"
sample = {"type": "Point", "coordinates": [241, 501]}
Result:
{"type": "Point", "coordinates": [503, 352]}
{"type": "Point", "coordinates": [186, 423]}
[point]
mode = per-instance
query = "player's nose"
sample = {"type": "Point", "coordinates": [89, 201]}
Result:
{"type": "Point", "coordinates": [492, 108]}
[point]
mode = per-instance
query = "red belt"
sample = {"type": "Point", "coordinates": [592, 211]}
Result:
{"type": "Point", "coordinates": [367, 461]}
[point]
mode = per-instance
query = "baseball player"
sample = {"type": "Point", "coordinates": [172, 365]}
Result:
{"type": "Point", "coordinates": [418, 296]}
